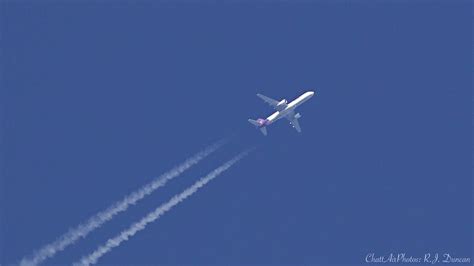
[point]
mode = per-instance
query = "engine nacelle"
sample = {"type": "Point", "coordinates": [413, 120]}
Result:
{"type": "Point", "coordinates": [282, 102]}
{"type": "Point", "coordinates": [298, 115]}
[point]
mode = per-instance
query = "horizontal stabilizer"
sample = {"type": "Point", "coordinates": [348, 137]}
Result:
{"type": "Point", "coordinates": [260, 124]}
{"type": "Point", "coordinates": [254, 122]}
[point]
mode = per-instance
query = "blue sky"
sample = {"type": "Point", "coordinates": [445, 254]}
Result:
{"type": "Point", "coordinates": [99, 98]}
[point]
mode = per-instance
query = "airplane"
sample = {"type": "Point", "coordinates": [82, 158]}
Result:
{"type": "Point", "coordinates": [283, 109]}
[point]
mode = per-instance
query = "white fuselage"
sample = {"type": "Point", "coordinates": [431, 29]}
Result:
{"type": "Point", "coordinates": [290, 107]}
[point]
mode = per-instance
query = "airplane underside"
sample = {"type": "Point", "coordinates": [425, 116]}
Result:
{"type": "Point", "coordinates": [291, 116]}
{"type": "Point", "coordinates": [283, 110]}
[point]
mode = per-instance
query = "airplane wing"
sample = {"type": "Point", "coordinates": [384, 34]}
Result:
{"type": "Point", "coordinates": [273, 103]}
{"type": "Point", "coordinates": [294, 121]}
{"type": "Point", "coordinates": [268, 100]}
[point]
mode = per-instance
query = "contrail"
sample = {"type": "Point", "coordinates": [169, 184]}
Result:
{"type": "Point", "coordinates": [102, 217]}
{"type": "Point", "coordinates": [93, 257]}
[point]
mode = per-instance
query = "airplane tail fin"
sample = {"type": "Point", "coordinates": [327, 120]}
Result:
{"type": "Point", "coordinates": [259, 125]}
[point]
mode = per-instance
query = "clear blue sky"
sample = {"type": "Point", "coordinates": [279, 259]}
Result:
{"type": "Point", "coordinates": [99, 98]}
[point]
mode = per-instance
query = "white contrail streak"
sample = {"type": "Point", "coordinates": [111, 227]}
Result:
{"type": "Point", "coordinates": [93, 257]}
{"type": "Point", "coordinates": [102, 217]}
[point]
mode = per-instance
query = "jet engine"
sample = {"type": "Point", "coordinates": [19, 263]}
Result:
{"type": "Point", "coordinates": [282, 102]}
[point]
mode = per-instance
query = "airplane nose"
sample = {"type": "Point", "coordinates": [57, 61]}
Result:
{"type": "Point", "coordinates": [311, 93]}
